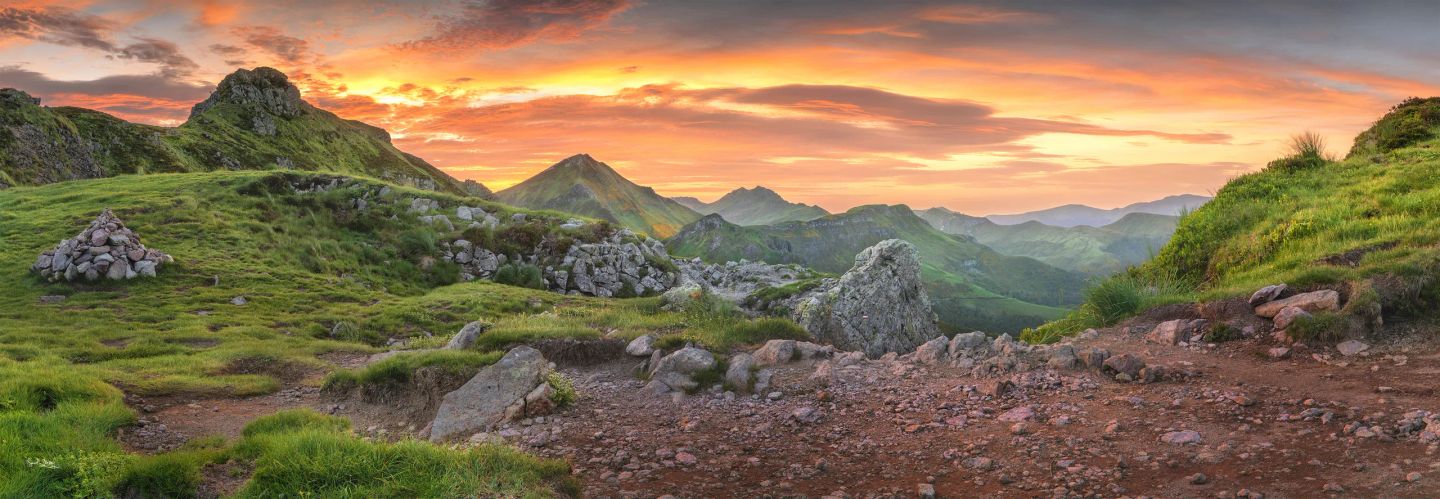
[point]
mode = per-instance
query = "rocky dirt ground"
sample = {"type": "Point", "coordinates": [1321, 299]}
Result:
{"type": "Point", "coordinates": [1229, 421]}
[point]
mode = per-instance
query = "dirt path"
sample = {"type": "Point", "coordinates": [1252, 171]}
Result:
{"type": "Point", "coordinates": [1276, 428]}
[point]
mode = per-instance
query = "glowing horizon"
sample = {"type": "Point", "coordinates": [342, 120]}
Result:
{"type": "Point", "coordinates": [979, 107]}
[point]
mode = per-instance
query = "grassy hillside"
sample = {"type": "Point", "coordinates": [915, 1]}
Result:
{"type": "Point", "coordinates": [255, 120]}
{"type": "Point", "coordinates": [1369, 224]}
{"type": "Point", "coordinates": [319, 278]}
{"type": "Point", "coordinates": [1089, 250]}
{"type": "Point", "coordinates": [581, 185]}
{"type": "Point", "coordinates": [758, 206]}
{"type": "Point", "coordinates": [971, 286]}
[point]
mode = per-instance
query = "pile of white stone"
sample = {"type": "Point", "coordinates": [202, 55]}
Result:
{"type": "Point", "coordinates": [106, 249]}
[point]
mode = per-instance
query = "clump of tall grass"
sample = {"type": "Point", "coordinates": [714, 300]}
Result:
{"type": "Point", "coordinates": [1307, 150]}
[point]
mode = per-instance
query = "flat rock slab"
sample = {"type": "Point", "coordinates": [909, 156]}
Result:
{"type": "Point", "coordinates": [1314, 301]}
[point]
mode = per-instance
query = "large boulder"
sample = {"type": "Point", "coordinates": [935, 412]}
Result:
{"type": "Point", "coordinates": [1314, 301]}
{"type": "Point", "coordinates": [467, 335]}
{"type": "Point", "coordinates": [775, 352]}
{"type": "Point", "coordinates": [105, 249]}
{"type": "Point", "coordinates": [878, 306]}
{"type": "Point", "coordinates": [1175, 331]}
{"type": "Point", "coordinates": [498, 393]}
{"type": "Point", "coordinates": [934, 351]}
{"type": "Point", "coordinates": [737, 373]}
{"type": "Point", "coordinates": [675, 372]}
{"type": "Point", "coordinates": [1267, 294]}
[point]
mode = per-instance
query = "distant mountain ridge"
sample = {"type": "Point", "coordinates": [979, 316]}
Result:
{"type": "Point", "coordinates": [254, 120]}
{"type": "Point", "coordinates": [757, 206]}
{"type": "Point", "coordinates": [1103, 250]}
{"type": "Point", "coordinates": [583, 186]}
{"type": "Point", "coordinates": [971, 286]}
{"type": "Point", "coordinates": [1072, 215]}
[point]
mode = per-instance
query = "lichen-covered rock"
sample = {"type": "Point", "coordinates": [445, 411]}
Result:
{"type": "Point", "coordinates": [104, 249]}
{"type": "Point", "coordinates": [467, 335]}
{"type": "Point", "coordinates": [737, 373]}
{"type": "Point", "coordinates": [641, 346]}
{"type": "Point", "coordinates": [497, 393]}
{"type": "Point", "coordinates": [674, 372]}
{"type": "Point", "coordinates": [878, 306]}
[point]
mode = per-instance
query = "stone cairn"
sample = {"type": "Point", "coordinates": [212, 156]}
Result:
{"type": "Point", "coordinates": [106, 249]}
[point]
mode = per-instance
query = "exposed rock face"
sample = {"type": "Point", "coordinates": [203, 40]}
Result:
{"type": "Point", "coordinates": [624, 265]}
{"type": "Point", "coordinates": [1314, 301]}
{"type": "Point", "coordinates": [501, 392]}
{"type": "Point", "coordinates": [734, 281]}
{"type": "Point", "coordinates": [878, 306]}
{"type": "Point", "coordinates": [107, 249]}
{"type": "Point", "coordinates": [262, 90]}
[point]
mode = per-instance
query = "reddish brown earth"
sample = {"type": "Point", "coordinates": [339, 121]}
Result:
{"type": "Point", "coordinates": [883, 429]}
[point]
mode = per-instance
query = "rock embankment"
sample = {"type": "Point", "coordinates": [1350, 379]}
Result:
{"type": "Point", "coordinates": [106, 249]}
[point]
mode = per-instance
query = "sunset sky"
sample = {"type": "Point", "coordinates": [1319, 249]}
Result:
{"type": "Point", "coordinates": [982, 107]}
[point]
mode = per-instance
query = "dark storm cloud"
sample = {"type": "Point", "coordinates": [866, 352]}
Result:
{"type": "Point", "coordinates": [150, 86]}
{"type": "Point", "coordinates": [498, 24]}
{"type": "Point", "coordinates": [166, 54]}
{"type": "Point", "coordinates": [268, 39]}
{"type": "Point", "coordinates": [56, 25]}
{"type": "Point", "coordinates": [70, 28]}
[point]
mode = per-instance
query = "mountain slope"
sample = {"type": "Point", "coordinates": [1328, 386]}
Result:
{"type": "Point", "coordinates": [581, 185]}
{"type": "Point", "coordinates": [1072, 215]}
{"type": "Point", "coordinates": [1090, 250]}
{"type": "Point", "coordinates": [1367, 225]}
{"type": "Point", "coordinates": [758, 206]}
{"type": "Point", "coordinates": [971, 286]}
{"type": "Point", "coordinates": [254, 120]}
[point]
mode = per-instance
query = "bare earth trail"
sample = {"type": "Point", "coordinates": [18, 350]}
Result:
{"type": "Point", "coordinates": [1277, 428]}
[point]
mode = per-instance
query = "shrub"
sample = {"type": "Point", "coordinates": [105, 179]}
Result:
{"type": "Point", "coordinates": [400, 368]}
{"type": "Point", "coordinates": [525, 276]}
{"type": "Point", "coordinates": [1325, 326]}
{"type": "Point", "coordinates": [564, 389]}
{"type": "Point", "coordinates": [1221, 333]}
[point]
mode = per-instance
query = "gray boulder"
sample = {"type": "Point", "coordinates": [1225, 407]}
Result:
{"type": "Point", "coordinates": [878, 306]}
{"type": "Point", "coordinates": [737, 374]}
{"type": "Point", "coordinates": [467, 335]}
{"type": "Point", "coordinates": [496, 394]}
{"type": "Point", "coordinates": [674, 372]}
{"type": "Point", "coordinates": [1267, 294]}
{"type": "Point", "coordinates": [641, 346]}
{"type": "Point", "coordinates": [775, 352]}
{"type": "Point", "coordinates": [932, 352]}
{"type": "Point", "coordinates": [971, 344]}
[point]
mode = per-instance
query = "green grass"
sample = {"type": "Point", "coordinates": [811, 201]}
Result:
{"type": "Point", "coordinates": [397, 370]}
{"type": "Point", "coordinates": [305, 454]}
{"type": "Point", "coordinates": [1309, 221]}
{"type": "Point", "coordinates": [319, 277]}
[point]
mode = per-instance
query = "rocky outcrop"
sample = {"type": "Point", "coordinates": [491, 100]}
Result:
{"type": "Point", "coordinates": [261, 90]}
{"type": "Point", "coordinates": [878, 306]}
{"type": "Point", "coordinates": [623, 265]}
{"type": "Point", "coordinates": [513, 388]}
{"type": "Point", "coordinates": [737, 280]}
{"type": "Point", "coordinates": [107, 249]}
